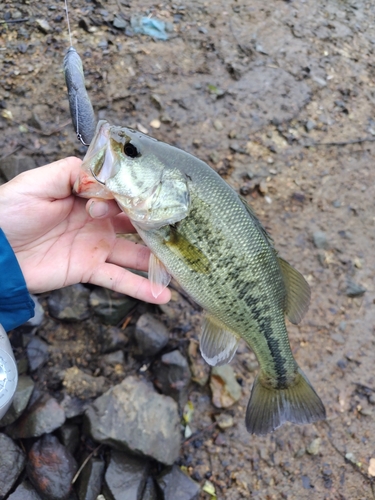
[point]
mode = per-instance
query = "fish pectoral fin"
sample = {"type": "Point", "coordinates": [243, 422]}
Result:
{"type": "Point", "coordinates": [217, 345]}
{"type": "Point", "coordinates": [269, 408]}
{"type": "Point", "coordinates": [297, 292]}
{"type": "Point", "coordinates": [158, 275]}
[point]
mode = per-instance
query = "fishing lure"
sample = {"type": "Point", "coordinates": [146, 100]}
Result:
{"type": "Point", "coordinates": [81, 110]}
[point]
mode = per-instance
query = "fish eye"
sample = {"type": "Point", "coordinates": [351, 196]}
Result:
{"type": "Point", "coordinates": [131, 150]}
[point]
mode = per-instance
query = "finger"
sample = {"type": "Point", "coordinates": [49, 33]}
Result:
{"type": "Point", "coordinates": [126, 253]}
{"type": "Point", "coordinates": [100, 209]}
{"type": "Point", "coordinates": [53, 181]}
{"type": "Point", "coordinates": [122, 224]}
{"type": "Point", "coordinates": [123, 281]}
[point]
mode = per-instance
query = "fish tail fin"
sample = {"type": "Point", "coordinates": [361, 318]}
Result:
{"type": "Point", "coordinates": [269, 408]}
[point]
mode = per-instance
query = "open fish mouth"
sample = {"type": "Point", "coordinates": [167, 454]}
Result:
{"type": "Point", "coordinates": [96, 166]}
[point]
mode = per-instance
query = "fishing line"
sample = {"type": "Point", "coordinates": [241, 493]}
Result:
{"type": "Point", "coordinates": [68, 22]}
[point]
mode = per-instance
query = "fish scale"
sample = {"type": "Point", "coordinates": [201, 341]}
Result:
{"type": "Point", "coordinates": [204, 235]}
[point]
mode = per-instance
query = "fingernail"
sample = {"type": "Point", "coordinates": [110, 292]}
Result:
{"type": "Point", "coordinates": [98, 209]}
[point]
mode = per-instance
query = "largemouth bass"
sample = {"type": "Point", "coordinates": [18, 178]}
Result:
{"type": "Point", "coordinates": [208, 238]}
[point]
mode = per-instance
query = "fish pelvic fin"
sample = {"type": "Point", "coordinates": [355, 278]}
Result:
{"type": "Point", "coordinates": [217, 345]}
{"type": "Point", "coordinates": [158, 275]}
{"type": "Point", "coordinates": [270, 408]}
{"type": "Point", "coordinates": [297, 292]}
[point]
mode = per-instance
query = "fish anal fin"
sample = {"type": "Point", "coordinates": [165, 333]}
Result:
{"type": "Point", "coordinates": [269, 408]}
{"type": "Point", "coordinates": [158, 275]}
{"type": "Point", "coordinates": [297, 291]}
{"type": "Point", "coordinates": [217, 345]}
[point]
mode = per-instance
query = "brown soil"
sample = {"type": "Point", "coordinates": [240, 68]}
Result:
{"type": "Point", "coordinates": [278, 97]}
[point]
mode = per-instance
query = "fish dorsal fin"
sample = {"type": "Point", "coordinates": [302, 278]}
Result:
{"type": "Point", "coordinates": [297, 292]}
{"type": "Point", "coordinates": [257, 221]}
{"type": "Point", "coordinates": [218, 346]}
{"type": "Point", "coordinates": [158, 275]}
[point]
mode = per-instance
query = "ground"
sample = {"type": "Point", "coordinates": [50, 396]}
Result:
{"type": "Point", "coordinates": [279, 98]}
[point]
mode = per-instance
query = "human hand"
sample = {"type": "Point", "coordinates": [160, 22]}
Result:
{"type": "Point", "coordinates": [58, 243]}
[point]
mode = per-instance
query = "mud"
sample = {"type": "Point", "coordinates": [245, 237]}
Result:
{"type": "Point", "coordinates": [279, 98]}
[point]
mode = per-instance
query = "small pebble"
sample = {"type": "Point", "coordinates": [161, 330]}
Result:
{"type": "Point", "coordinates": [320, 240]}
{"type": "Point", "coordinates": [155, 123]}
{"type": "Point", "coordinates": [314, 447]}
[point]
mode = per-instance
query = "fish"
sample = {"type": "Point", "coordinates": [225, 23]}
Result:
{"type": "Point", "coordinates": [208, 238]}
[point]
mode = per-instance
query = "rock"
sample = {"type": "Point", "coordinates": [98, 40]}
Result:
{"type": "Point", "coordinates": [11, 166]}
{"type": "Point", "coordinates": [83, 385]}
{"type": "Point", "coordinates": [38, 317]}
{"type": "Point", "coordinates": [12, 461]}
{"type": "Point", "coordinates": [224, 421]}
{"type": "Point", "coordinates": [320, 240]}
{"type": "Point", "coordinates": [200, 370]}
{"type": "Point", "coordinates": [310, 125]}
{"type": "Point", "coordinates": [111, 307]}
{"type": "Point", "coordinates": [90, 480]}
{"type": "Point", "coordinates": [25, 491]}
{"type": "Point", "coordinates": [175, 485]}
{"type": "Point", "coordinates": [151, 335]}
{"type": "Point", "coordinates": [69, 436]}
{"type": "Point", "coordinates": [43, 25]}
{"type": "Point", "coordinates": [225, 389]}
{"type": "Point", "coordinates": [119, 23]}
{"type": "Point", "coordinates": [132, 416]}
{"type": "Point", "coordinates": [37, 353]}
{"type": "Point", "coordinates": [73, 406]}
{"type": "Point", "coordinates": [113, 362]}
{"type": "Point", "coordinates": [43, 416]}
{"type": "Point", "coordinates": [371, 467]}
{"type": "Point", "coordinates": [150, 492]}
{"type": "Point", "coordinates": [70, 303]}
{"type": "Point", "coordinates": [125, 477]}
{"type": "Point", "coordinates": [51, 468]}
{"type": "Point", "coordinates": [354, 290]}
{"type": "Point", "coordinates": [314, 447]}
{"type": "Point", "coordinates": [25, 387]}
{"type": "Point", "coordinates": [173, 376]}
{"type": "Point", "coordinates": [113, 339]}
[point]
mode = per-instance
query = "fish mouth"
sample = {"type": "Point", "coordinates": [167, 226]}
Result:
{"type": "Point", "coordinates": [96, 166]}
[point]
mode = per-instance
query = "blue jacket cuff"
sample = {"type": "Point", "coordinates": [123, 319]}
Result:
{"type": "Point", "coordinates": [16, 304]}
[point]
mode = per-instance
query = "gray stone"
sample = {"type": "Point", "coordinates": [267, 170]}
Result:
{"type": "Point", "coordinates": [25, 387]}
{"type": "Point", "coordinates": [82, 385]}
{"type": "Point", "coordinates": [69, 436]}
{"type": "Point", "coordinates": [25, 491]}
{"type": "Point", "coordinates": [90, 480]}
{"type": "Point", "coordinates": [70, 303]}
{"type": "Point", "coordinates": [51, 468]}
{"type": "Point", "coordinates": [113, 339]}
{"type": "Point", "coordinates": [173, 376]}
{"type": "Point", "coordinates": [12, 461]}
{"type": "Point", "coordinates": [320, 240]}
{"type": "Point", "coordinates": [119, 23]}
{"type": "Point", "coordinates": [73, 406]}
{"type": "Point", "coordinates": [43, 416]}
{"type": "Point", "coordinates": [111, 307]}
{"type": "Point", "coordinates": [125, 477]}
{"type": "Point", "coordinates": [175, 485]}
{"type": "Point", "coordinates": [150, 492]}
{"type": "Point", "coordinates": [132, 416]}
{"type": "Point", "coordinates": [354, 290]}
{"type": "Point", "coordinates": [151, 335]}
{"type": "Point", "coordinates": [37, 353]}
{"type": "Point", "coordinates": [14, 165]}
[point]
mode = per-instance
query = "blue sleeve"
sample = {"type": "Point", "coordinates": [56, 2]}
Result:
{"type": "Point", "coordinates": [16, 304]}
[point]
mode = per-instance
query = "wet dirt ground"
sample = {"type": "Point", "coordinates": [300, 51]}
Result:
{"type": "Point", "coordinates": [279, 98]}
